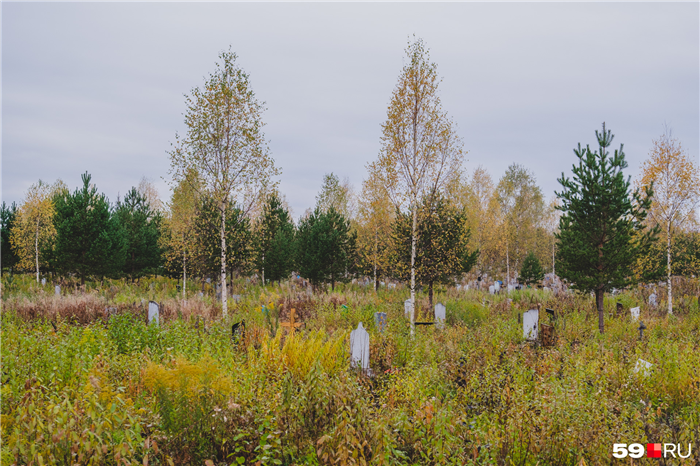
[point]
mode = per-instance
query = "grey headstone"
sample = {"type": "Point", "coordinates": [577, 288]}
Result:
{"type": "Point", "coordinates": [57, 290]}
{"type": "Point", "coordinates": [497, 287]}
{"type": "Point", "coordinates": [43, 281]}
{"type": "Point", "coordinates": [153, 312]}
{"type": "Point", "coordinates": [208, 280]}
{"type": "Point", "coordinates": [236, 298]}
{"type": "Point", "coordinates": [359, 347]}
{"type": "Point", "coordinates": [635, 313]}
{"type": "Point", "coordinates": [380, 320]}
{"type": "Point", "coordinates": [440, 315]}
{"type": "Point", "coordinates": [201, 294]}
{"type": "Point", "coordinates": [407, 308]}
{"type": "Point", "coordinates": [530, 323]}
{"type": "Point", "coordinates": [492, 289]}
{"type": "Point", "coordinates": [643, 366]}
{"type": "Point", "coordinates": [510, 288]}
{"type": "Point", "coordinates": [392, 285]}
{"type": "Point", "coordinates": [652, 299]}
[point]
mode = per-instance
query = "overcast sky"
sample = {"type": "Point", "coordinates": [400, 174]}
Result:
{"type": "Point", "coordinates": [99, 87]}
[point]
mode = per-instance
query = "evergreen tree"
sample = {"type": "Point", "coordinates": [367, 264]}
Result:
{"type": "Point", "coordinates": [601, 230]}
{"type": "Point", "coordinates": [8, 256]}
{"type": "Point", "coordinates": [325, 247]}
{"type": "Point", "coordinates": [531, 272]}
{"type": "Point", "coordinates": [239, 239]}
{"type": "Point", "coordinates": [442, 252]}
{"type": "Point", "coordinates": [89, 241]}
{"type": "Point", "coordinates": [275, 241]}
{"type": "Point", "coordinates": [142, 227]}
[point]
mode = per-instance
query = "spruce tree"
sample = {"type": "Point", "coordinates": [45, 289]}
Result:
{"type": "Point", "coordinates": [274, 241]}
{"type": "Point", "coordinates": [89, 241]}
{"type": "Point", "coordinates": [325, 248]}
{"type": "Point", "coordinates": [142, 227]}
{"type": "Point", "coordinates": [601, 230]}
{"type": "Point", "coordinates": [531, 272]}
{"type": "Point", "coordinates": [8, 256]}
{"type": "Point", "coordinates": [441, 246]}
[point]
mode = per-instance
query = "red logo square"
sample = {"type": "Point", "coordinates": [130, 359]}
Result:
{"type": "Point", "coordinates": [653, 450]}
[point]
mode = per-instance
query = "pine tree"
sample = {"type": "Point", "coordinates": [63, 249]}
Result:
{"type": "Point", "coordinates": [142, 227]}
{"type": "Point", "coordinates": [89, 241]}
{"type": "Point", "coordinates": [442, 252]}
{"type": "Point", "coordinates": [601, 230]}
{"type": "Point", "coordinates": [239, 239]}
{"type": "Point", "coordinates": [8, 256]}
{"type": "Point", "coordinates": [325, 248]}
{"type": "Point", "coordinates": [274, 241]}
{"type": "Point", "coordinates": [531, 272]}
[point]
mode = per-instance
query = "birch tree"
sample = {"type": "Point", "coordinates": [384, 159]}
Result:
{"type": "Point", "coordinates": [34, 227]}
{"type": "Point", "coordinates": [225, 144]}
{"type": "Point", "coordinates": [675, 181]}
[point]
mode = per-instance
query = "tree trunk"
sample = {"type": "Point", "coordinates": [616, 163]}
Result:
{"type": "Point", "coordinates": [430, 294]}
{"type": "Point", "coordinates": [184, 274]}
{"type": "Point", "coordinates": [668, 267]}
{"type": "Point", "coordinates": [36, 250]}
{"type": "Point", "coordinates": [507, 265]}
{"type": "Point", "coordinates": [376, 282]}
{"type": "Point", "coordinates": [263, 269]}
{"type": "Point", "coordinates": [224, 300]}
{"type": "Point", "coordinates": [413, 265]}
{"type": "Point", "coordinates": [599, 294]}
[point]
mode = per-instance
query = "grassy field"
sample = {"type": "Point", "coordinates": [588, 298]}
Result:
{"type": "Point", "coordinates": [84, 385]}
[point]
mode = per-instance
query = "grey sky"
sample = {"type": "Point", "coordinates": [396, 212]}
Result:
{"type": "Point", "coordinates": [99, 87]}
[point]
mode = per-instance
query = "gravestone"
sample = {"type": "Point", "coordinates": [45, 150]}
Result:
{"type": "Point", "coordinates": [459, 287]}
{"type": "Point", "coordinates": [359, 347]}
{"type": "Point", "coordinates": [492, 289]}
{"type": "Point", "coordinates": [634, 311]}
{"type": "Point", "coordinates": [153, 312]}
{"type": "Point", "coordinates": [497, 286]}
{"type": "Point", "coordinates": [201, 294]}
{"type": "Point", "coordinates": [652, 299]}
{"type": "Point", "coordinates": [510, 288]}
{"type": "Point", "coordinates": [57, 290]}
{"type": "Point", "coordinates": [43, 281]}
{"type": "Point", "coordinates": [392, 286]}
{"type": "Point", "coordinates": [530, 322]}
{"type": "Point", "coordinates": [380, 321]}
{"type": "Point", "coordinates": [407, 308]}
{"type": "Point", "coordinates": [440, 315]}
{"type": "Point", "coordinates": [643, 366]}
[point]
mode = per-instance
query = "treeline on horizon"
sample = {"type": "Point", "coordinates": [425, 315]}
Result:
{"type": "Point", "coordinates": [417, 218]}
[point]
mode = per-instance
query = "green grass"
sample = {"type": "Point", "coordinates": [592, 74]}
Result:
{"type": "Point", "coordinates": [114, 390]}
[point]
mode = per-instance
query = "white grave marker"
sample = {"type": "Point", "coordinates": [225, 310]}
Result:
{"type": "Point", "coordinates": [407, 308]}
{"type": "Point", "coordinates": [492, 289]}
{"type": "Point", "coordinates": [652, 299]}
{"type": "Point", "coordinates": [530, 322]}
{"type": "Point", "coordinates": [440, 315]}
{"type": "Point", "coordinates": [643, 366]}
{"type": "Point", "coordinates": [57, 290]}
{"type": "Point", "coordinates": [43, 281]}
{"type": "Point", "coordinates": [359, 347]}
{"type": "Point", "coordinates": [635, 313]}
{"type": "Point", "coordinates": [153, 312]}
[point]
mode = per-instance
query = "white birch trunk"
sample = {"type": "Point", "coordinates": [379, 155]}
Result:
{"type": "Point", "coordinates": [413, 266]}
{"type": "Point", "coordinates": [668, 267]}
{"type": "Point", "coordinates": [36, 250]}
{"type": "Point", "coordinates": [224, 300]}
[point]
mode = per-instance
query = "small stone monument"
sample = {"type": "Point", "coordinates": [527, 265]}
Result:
{"type": "Point", "coordinates": [440, 315]}
{"type": "Point", "coordinates": [643, 366]}
{"type": "Point", "coordinates": [57, 290]}
{"type": "Point", "coordinates": [380, 321]}
{"type": "Point", "coordinates": [530, 322]}
{"type": "Point", "coordinates": [359, 347]}
{"type": "Point", "coordinates": [652, 299]}
{"type": "Point", "coordinates": [497, 286]}
{"type": "Point", "coordinates": [407, 308]}
{"type": "Point", "coordinates": [153, 312]}
{"type": "Point", "coordinates": [492, 289]}
{"type": "Point", "coordinates": [43, 281]}
{"type": "Point", "coordinates": [634, 311]}
{"type": "Point", "coordinates": [236, 298]}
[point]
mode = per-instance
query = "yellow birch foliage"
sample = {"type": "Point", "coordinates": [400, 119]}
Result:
{"type": "Point", "coordinates": [34, 226]}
